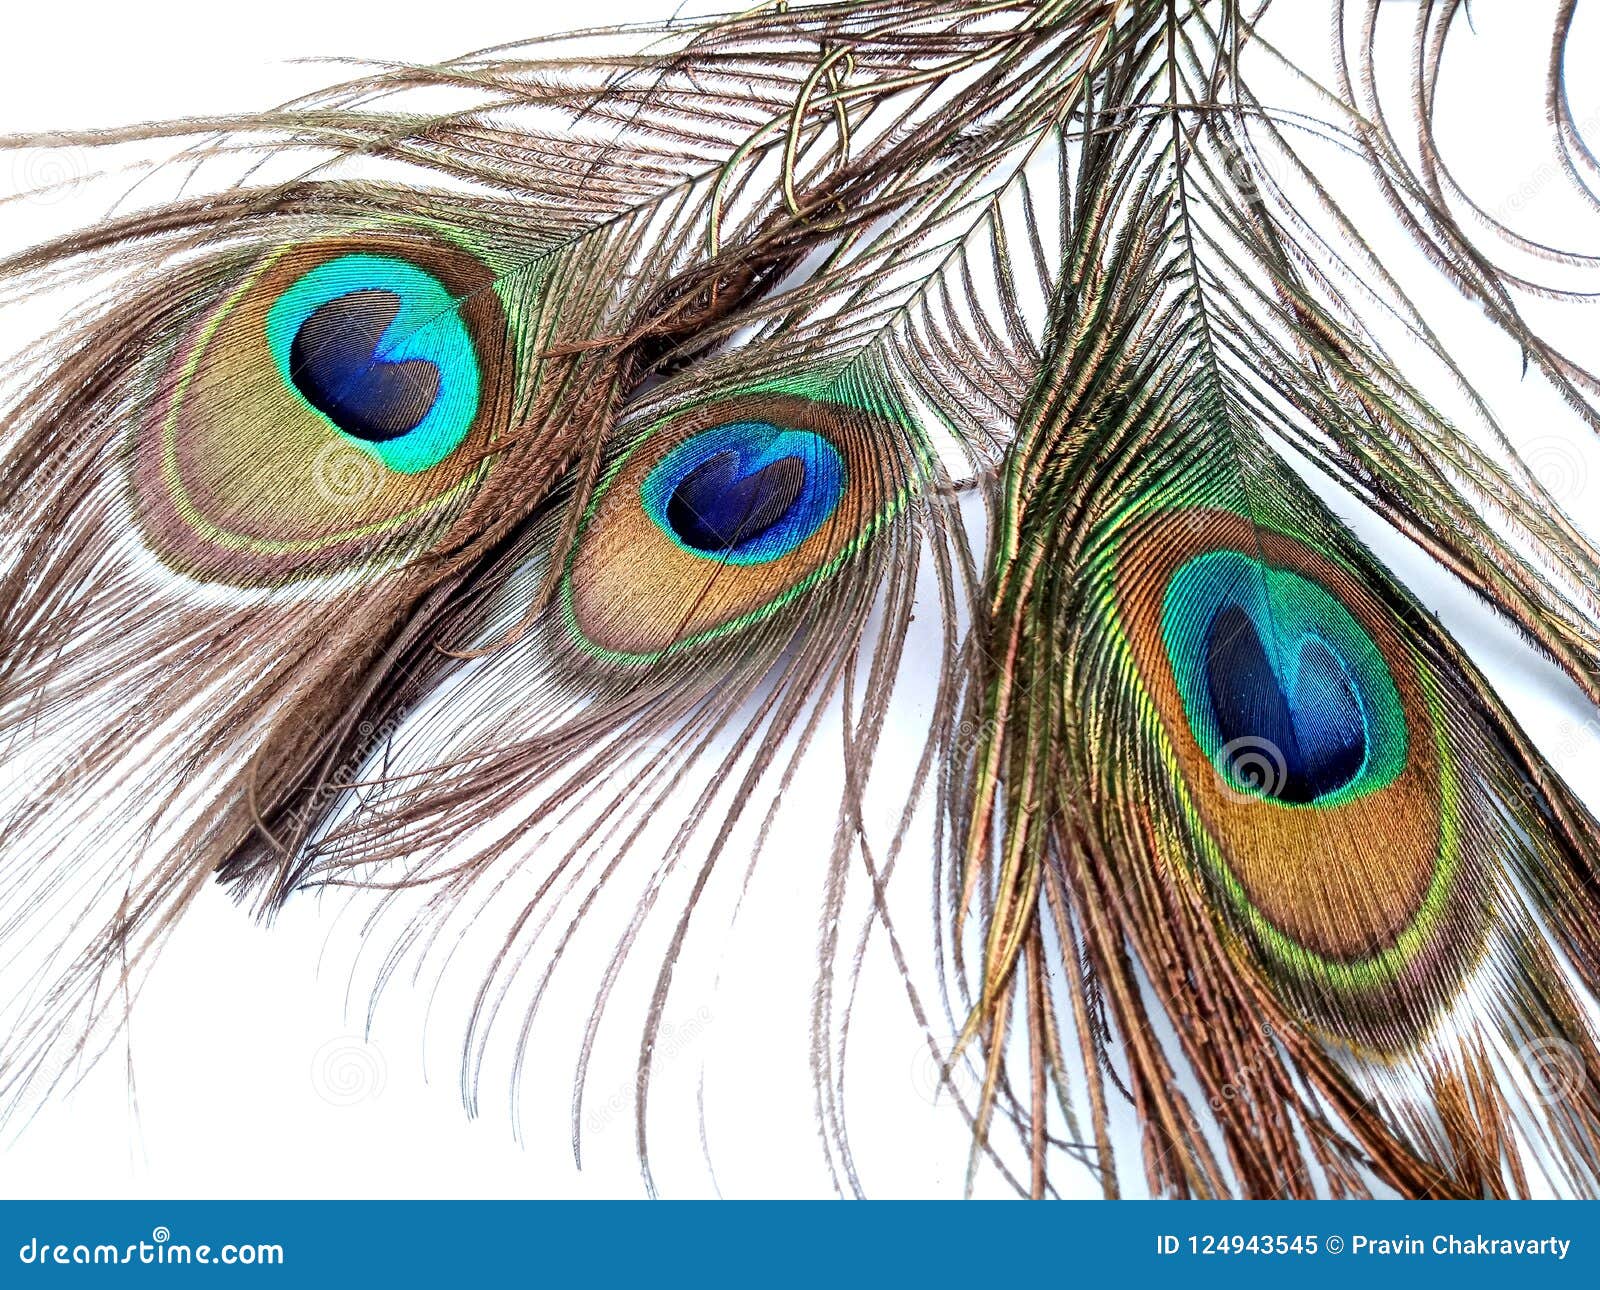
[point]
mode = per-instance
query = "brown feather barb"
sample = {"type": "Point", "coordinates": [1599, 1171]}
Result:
{"type": "Point", "coordinates": [498, 510]}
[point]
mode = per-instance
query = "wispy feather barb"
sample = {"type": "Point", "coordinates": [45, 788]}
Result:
{"type": "Point", "coordinates": [497, 505]}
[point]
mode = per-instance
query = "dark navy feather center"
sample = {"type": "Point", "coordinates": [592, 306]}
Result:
{"type": "Point", "coordinates": [336, 363]}
{"type": "Point", "coordinates": [1313, 723]}
{"type": "Point", "coordinates": [715, 509]}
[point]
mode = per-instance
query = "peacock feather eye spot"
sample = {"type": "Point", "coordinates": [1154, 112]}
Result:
{"type": "Point", "coordinates": [337, 360]}
{"type": "Point", "coordinates": [1315, 797]}
{"type": "Point", "coordinates": [1313, 722]}
{"type": "Point", "coordinates": [748, 492]}
{"type": "Point", "coordinates": [1284, 691]}
{"type": "Point", "coordinates": [725, 512]}
{"type": "Point", "coordinates": [335, 406]}
{"type": "Point", "coordinates": [378, 346]}
{"type": "Point", "coordinates": [715, 510]}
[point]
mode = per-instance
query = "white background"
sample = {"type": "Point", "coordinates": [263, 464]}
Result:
{"type": "Point", "coordinates": [246, 1074]}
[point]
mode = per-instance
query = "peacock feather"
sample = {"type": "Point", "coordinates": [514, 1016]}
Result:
{"type": "Point", "coordinates": [308, 420]}
{"type": "Point", "coordinates": [496, 509]}
{"type": "Point", "coordinates": [730, 509]}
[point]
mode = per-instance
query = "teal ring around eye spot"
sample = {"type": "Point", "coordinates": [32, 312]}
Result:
{"type": "Point", "coordinates": [428, 327]}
